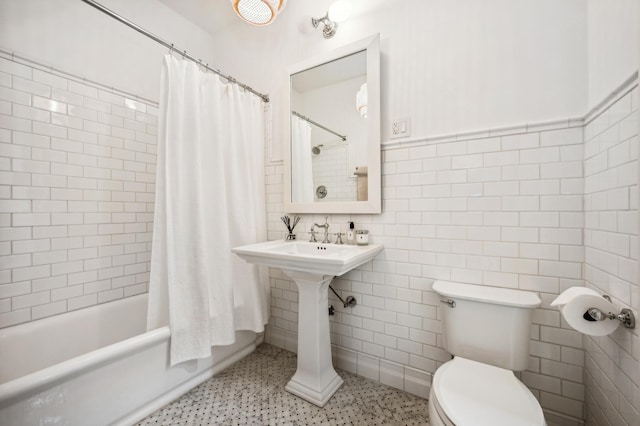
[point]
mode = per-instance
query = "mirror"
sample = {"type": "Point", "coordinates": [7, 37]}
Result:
{"type": "Point", "coordinates": [332, 162]}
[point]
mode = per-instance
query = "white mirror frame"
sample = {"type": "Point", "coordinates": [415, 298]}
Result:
{"type": "Point", "coordinates": [374, 203]}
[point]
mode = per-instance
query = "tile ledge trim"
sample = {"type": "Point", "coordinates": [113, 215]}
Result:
{"type": "Point", "coordinates": [619, 92]}
{"type": "Point", "coordinates": [48, 68]}
{"type": "Point", "coordinates": [623, 89]}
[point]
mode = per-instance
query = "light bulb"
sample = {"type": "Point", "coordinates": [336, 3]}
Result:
{"type": "Point", "coordinates": [340, 10]}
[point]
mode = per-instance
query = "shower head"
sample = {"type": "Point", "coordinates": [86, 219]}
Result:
{"type": "Point", "coordinates": [316, 149]}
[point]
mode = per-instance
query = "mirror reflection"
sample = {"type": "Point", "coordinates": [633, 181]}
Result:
{"type": "Point", "coordinates": [329, 141]}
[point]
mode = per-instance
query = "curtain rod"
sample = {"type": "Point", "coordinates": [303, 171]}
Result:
{"type": "Point", "coordinates": [297, 114]}
{"type": "Point", "coordinates": [183, 53]}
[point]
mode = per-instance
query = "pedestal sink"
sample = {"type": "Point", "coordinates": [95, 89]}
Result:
{"type": "Point", "coordinates": [311, 266]}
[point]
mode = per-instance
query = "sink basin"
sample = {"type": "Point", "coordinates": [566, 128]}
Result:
{"type": "Point", "coordinates": [325, 259]}
{"type": "Point", "coordinates": [311, 266]}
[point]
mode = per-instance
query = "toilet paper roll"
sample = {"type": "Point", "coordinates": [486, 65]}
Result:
{"type": "Point", "coordinates": [576, 301]}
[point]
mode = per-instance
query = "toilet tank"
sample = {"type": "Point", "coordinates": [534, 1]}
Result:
{"type": "Point", "coordinates": [487, 324]}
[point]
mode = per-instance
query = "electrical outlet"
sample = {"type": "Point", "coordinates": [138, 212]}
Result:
{"type": "Point", "coordinates": [400, 128]}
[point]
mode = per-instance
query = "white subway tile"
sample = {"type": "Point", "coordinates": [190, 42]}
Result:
{"type": "Point", "coordinates": [30, 273]}
{"type": "Point", "coordinates": [521, 141]}
{"type": "Point", "coordinates": [570, 169]}
{"type": "Point", "coordinates": [486, 174]}
{"type": "Point", "coordinates": [540, 187]}
{"type": "Point", "coordinates": [540, 251]}
{"type": "Point", "coordinates": [14, 68]}
{"type": "Point", "coordinates": [65, 96]}
{"type": "Point", "coordinates": [36, 141]}
{"type": "Point", "coordinates": [29, 86]}
{"type": "Point", "coordinates": [15, 123]}
{"type": "Point", "coordinates": [15, 206]}
{"type": "Point", "coordinates": [5, 107]}
{"type": "Point", "coordinates": [97, 128]}
{"type": "Point", "coordinates": [15, 261]}
{"type": "Point", "coordinates": [82, 89]}
{"type": "Point", "coordinates": [32, 219]}
{"type": "Point", "coordinates": [49, 104]}
{"type": "Point", "coordinates": [41, 206]}
{"type": "Point", "coordinates": [500, 279]}
{"type": "Point", "coordinates": [503, 158]}
{"type": "Point", "coordinates": [14, 96]}
{"type": "Point", "coordinates": [30, 246]}
{"type": "Point", "coordinates": [110, 97]}
{"type": "Point", "coordinates": [14, 233]}
{"type": "Point", "coordinates": [48, 257]}
{"type": "Point", "coordinates": [15, 317]}
{"type": "Point", "coordinates": [520, 203]}
{"type": "Point", "coordinates": [49, 79]}
{"type": "Point", "coordinates": [48, 309]}
{"type": "Point", "coordinates": [52, 130]}
{"type": "Point", "coordinates": [15, 151]}
{"type": "Point", "coordinates": [5, 79]}
{"type": "Point", "coordinates": [82, 301]}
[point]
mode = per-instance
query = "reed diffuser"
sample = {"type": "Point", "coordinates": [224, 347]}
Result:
{"type": "Point", "coordinates": [287, 222]}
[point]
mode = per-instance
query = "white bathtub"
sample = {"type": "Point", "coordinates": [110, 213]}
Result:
{"type": "Point", "coordinates": [98, 366]}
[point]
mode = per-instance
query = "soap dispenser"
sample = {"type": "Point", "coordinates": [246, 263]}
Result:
{"type": "Point", "coordinates": [351, 234]}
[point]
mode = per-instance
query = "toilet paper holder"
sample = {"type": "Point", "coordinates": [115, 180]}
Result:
{"type": "Point", "coordinates": [625, 316]}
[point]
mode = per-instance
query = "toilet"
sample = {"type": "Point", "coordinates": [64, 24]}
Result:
{"type": "Point", "coordinates": [486, 329]}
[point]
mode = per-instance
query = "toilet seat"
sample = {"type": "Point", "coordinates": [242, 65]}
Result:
{"type": "Point", "coordinates": [471, 393]}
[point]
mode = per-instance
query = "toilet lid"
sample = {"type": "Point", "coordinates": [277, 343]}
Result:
{"type": "Point", "coordinates": [472, 393]}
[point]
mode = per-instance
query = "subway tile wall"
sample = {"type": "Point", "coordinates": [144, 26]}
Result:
{"type": "Point", "coordinates": [611, 256]}
{"type": "Point", "coordinates": [77, 167]}
{"type": "Point", "coordinates": [331, 169]}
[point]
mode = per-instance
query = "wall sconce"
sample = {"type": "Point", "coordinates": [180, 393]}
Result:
{"type": "Point", "coordinates": [338, 12]}
{"type": "Point", "coordinates": [258, 12]}
{"type": "Point", "coordinates": [362, 100]}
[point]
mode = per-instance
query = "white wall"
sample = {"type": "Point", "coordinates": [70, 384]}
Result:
{"type": "Point", "coordinates": [452, 66]}
{"type": "Point", "coordinates": [613, 43]}
{"type": "Point", "coordinates": [75, 37]}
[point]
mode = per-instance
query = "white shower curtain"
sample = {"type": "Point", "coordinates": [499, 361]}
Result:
{"type": "Point", "coordinates": [301, 168]}
{"type": "Point", "coordinates": [209, 198]}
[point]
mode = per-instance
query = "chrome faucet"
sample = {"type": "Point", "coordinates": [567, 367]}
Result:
{"type": "Point", "coordinates": [326, 230]}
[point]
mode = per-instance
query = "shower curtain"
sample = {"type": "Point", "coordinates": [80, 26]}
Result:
{"type": "Point", "coordinates": [209, 198]}
{"type": "Point", "coordinates": [301, 169]}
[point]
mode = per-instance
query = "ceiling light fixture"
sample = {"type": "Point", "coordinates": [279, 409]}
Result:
{"type": "Point", "coordinates": [338, 12]}
{"type": "Point", "coordinates": [258, 12]}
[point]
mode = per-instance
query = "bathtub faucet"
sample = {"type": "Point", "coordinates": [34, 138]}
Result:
{"type": "Point", "coordinates": [326, 230]}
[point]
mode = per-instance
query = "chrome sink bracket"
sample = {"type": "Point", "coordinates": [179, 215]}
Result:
{"type": "Point", "coordinates": [350, 302]}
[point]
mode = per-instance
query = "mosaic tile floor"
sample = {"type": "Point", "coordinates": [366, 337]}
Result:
{"type": "Point", "coordinates": [251, 392]}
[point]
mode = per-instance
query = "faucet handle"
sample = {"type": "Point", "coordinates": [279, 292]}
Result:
{"type": "Point", "coordinates": [339, 238]}
{"type": "Point", "coordinates": [313, 236]}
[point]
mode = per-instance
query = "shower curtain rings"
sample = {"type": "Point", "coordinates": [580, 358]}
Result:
{"type": "Point", "coordinates": [171, 50]}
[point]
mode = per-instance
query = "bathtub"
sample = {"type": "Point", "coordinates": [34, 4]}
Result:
{"type": "Point", "coordinates": [98, 366]}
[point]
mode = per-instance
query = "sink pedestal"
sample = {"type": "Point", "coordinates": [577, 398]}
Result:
{"type": "Point", "coordinates": [315, 379]}
{"type": "Point", "coordinates": [311, 266]}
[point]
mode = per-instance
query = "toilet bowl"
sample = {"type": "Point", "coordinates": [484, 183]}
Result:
{"type": "Point", "coordinates": [470, 393]}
